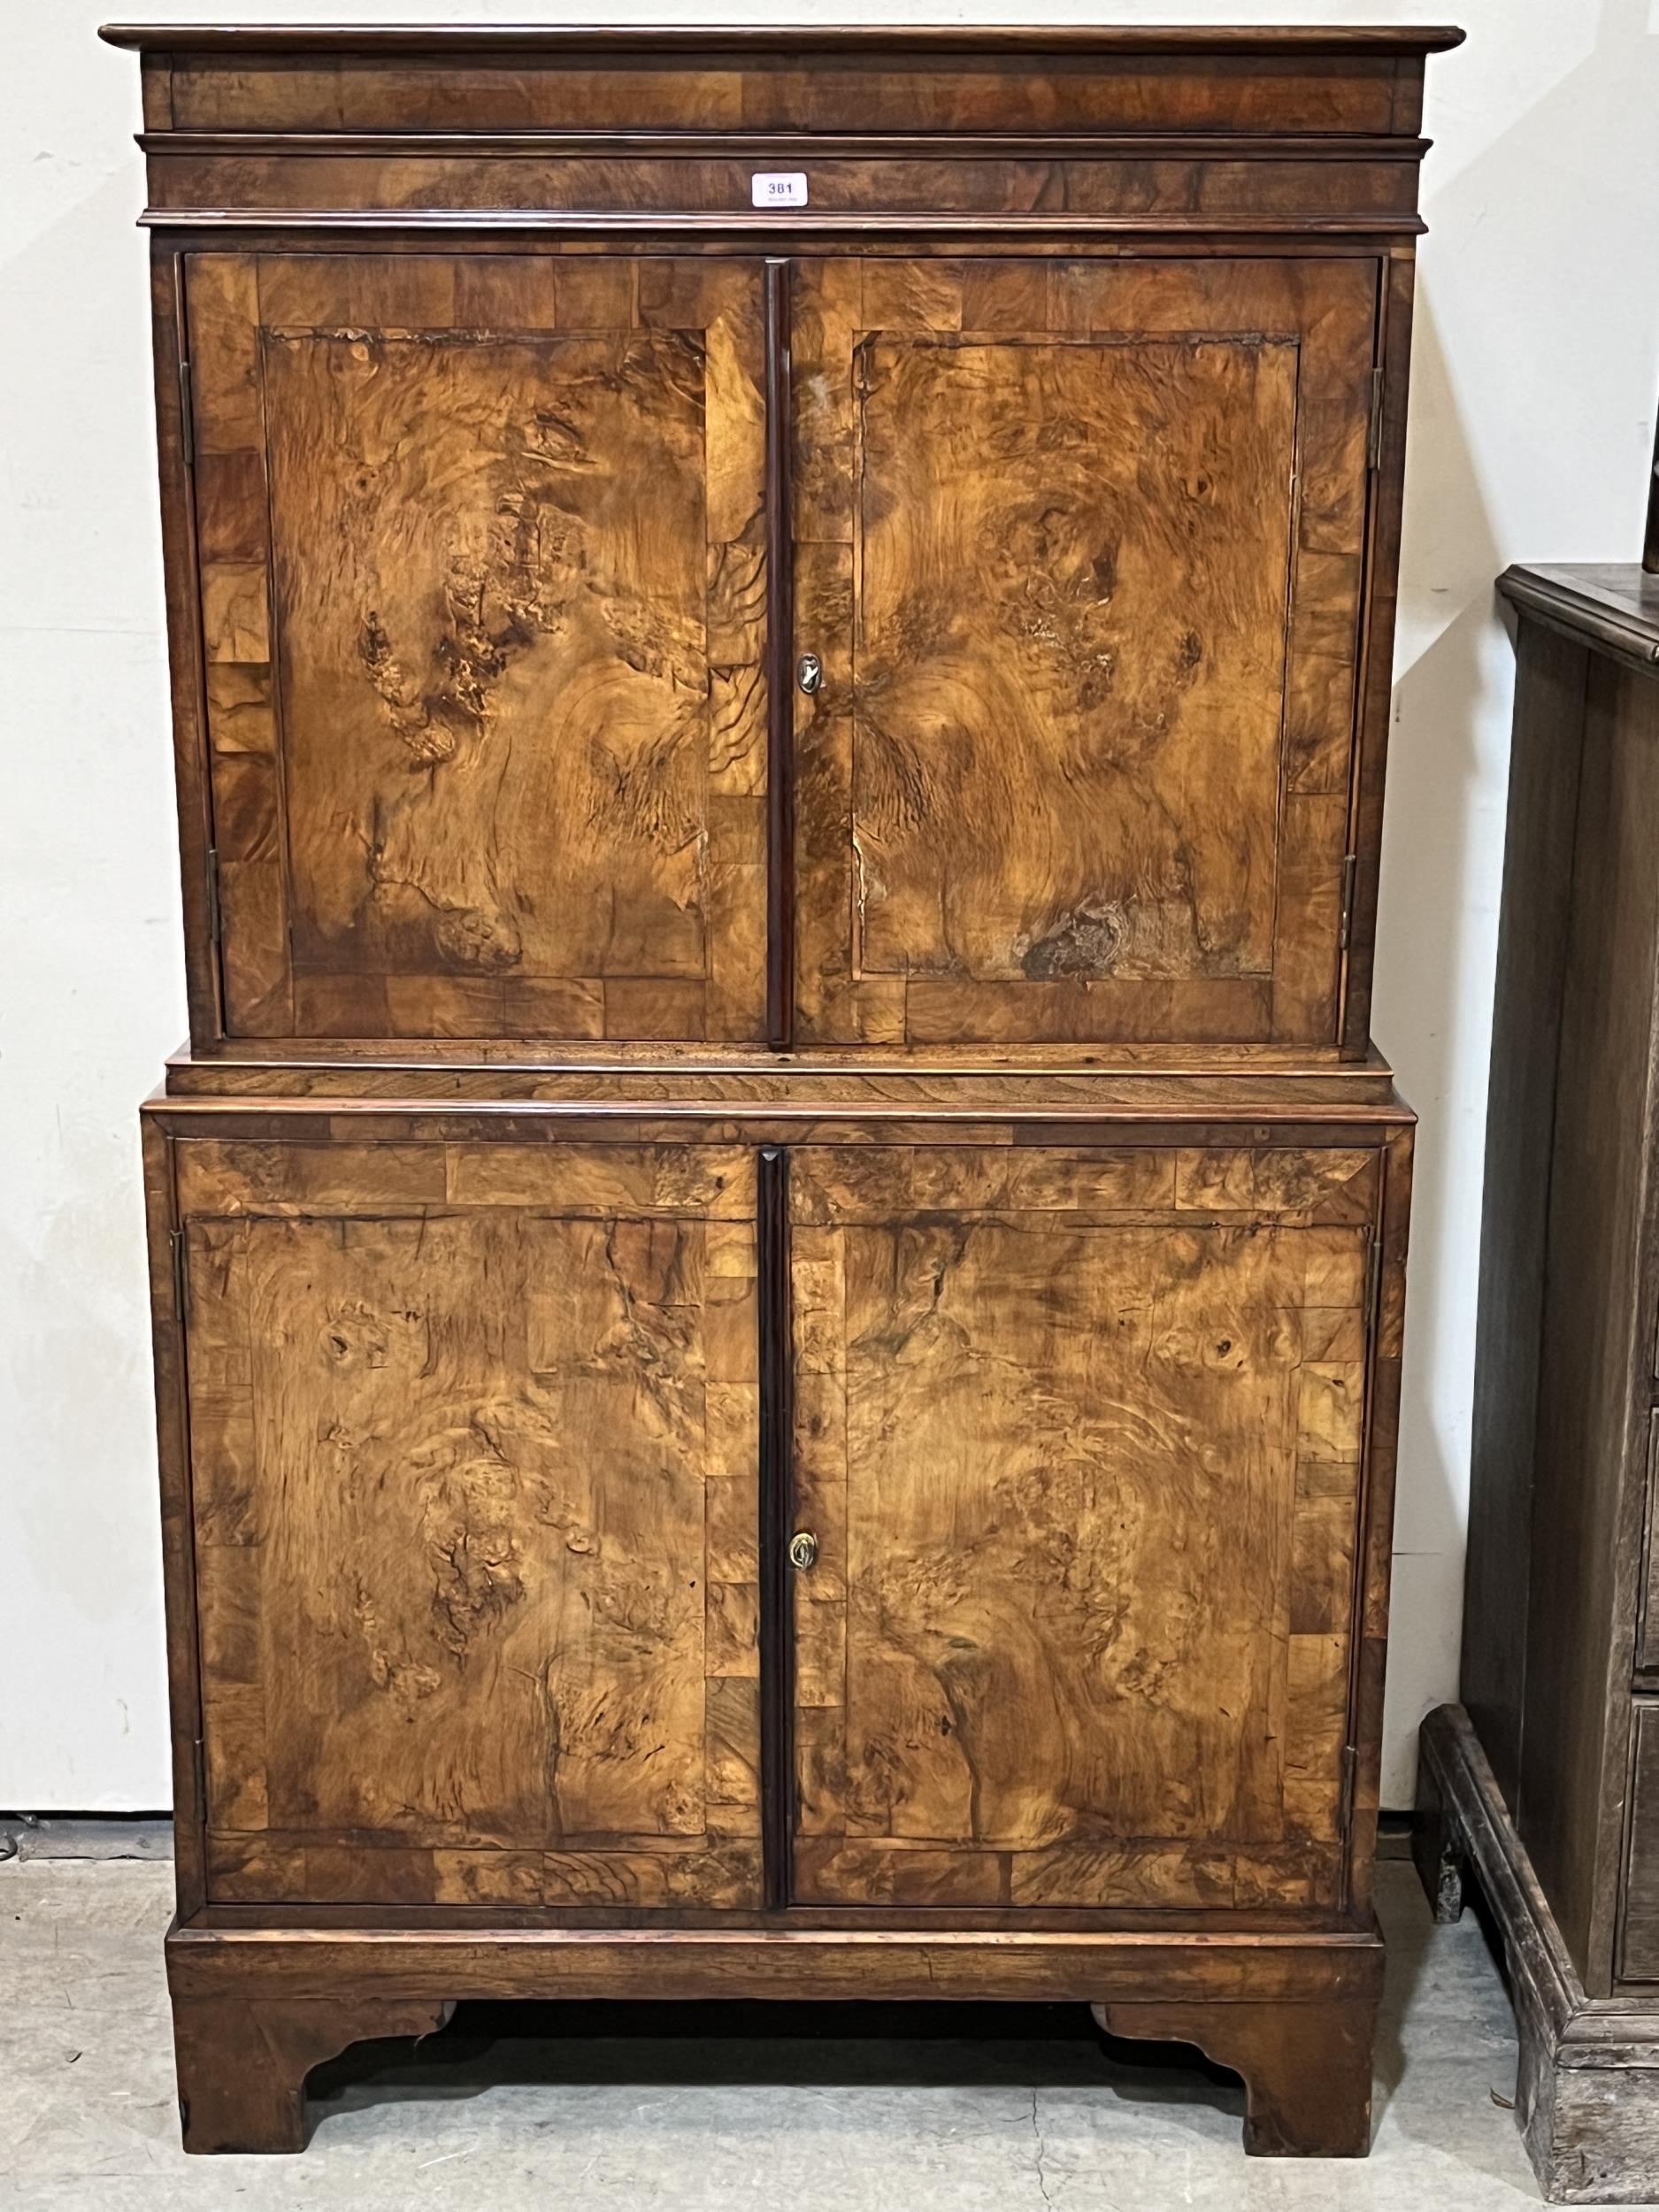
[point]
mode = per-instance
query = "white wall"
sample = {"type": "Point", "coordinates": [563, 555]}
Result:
{"type": "Point", "coordinates": [1537, 373]}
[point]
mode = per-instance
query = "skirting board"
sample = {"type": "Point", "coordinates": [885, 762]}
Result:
{"type": "Point", "coordinates": [1587, 2095]}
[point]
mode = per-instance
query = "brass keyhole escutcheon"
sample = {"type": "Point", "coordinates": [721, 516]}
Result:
{"type": "Point", "coordinates": [809, 673]}
{"type": "Point", "coordinates": [802, 1549]}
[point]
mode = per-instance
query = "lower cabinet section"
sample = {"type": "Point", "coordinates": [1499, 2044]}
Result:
{"type": "Point", "coordinates": [717, 1554]}
{"type": "Point", "coordinates": [1075, 1480]}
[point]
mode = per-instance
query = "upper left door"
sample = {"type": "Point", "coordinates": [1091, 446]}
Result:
{"type": "Point", "coordinates": [481, 549]}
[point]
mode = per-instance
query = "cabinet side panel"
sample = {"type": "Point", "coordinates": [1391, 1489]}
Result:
{"type": "Point", "coordinates": [172, 1442]}
{"type": "Point", "coordinates": [1375, 688]}
{"type": "Point", "coordinates": [1544, 760]}
{"type": "Point", "coordinates": [1593, 1372]}
{"type": "Point", "coordinates": [175, 465]}
{"type": "Point", "coordinates": [1376, 1561]}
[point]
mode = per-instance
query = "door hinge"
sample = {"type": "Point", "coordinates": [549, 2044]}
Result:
{"type": "Point", "coordinates": [214, 909]}
{"type": "Point", "coordinates": [1374, 436]}
{"type": "Point", "coordinates": [180, 1281]}
{"type": "Point", "coordinates": [198, 1769]}
{"type": "Point", "coordinates": [187, 411]}
{"type": "Point", "coordinates": [1373, 1287]}
{"type": "Point", "coordinates": [1350, 877]}
{"type": "Point", "coordinates": [1345, 1807]}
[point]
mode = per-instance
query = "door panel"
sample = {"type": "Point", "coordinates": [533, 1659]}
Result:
{"type": "Point", "coordinates": [1079, 1435]}
{"type": "Point", "coordinates": [473, 1448]}
{"type": "Point", "coordinates": [1081, 546]}
{"type": "Point", "coordinates": [483, 589]}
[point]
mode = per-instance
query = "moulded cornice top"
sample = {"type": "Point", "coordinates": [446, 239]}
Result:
{"type": "Point", "coordinates": [1610, 604]}
{"type": "Point", "coordinates": [384, 41]}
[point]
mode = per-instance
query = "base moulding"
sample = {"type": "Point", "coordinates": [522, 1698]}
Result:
{"type": "Point", "coordinates": [1587, 2093]}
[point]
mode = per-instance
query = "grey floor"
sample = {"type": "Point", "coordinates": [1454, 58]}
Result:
{"type": "Point", "coordinates": [597, 2109]}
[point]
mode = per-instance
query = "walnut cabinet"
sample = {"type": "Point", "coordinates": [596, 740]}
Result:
{"type": "Point", "coordinates": [779, 1251]}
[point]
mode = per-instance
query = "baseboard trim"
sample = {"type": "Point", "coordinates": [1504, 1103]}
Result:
{"type": "Point", "coordinates": [25, 1836]}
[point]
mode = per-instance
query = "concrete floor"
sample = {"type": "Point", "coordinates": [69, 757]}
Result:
{"type": "Point", "coordinates": [593, 2108]}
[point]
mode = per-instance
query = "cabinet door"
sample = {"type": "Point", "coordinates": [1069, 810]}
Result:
{"type": "Point", "coordinates": [1081, 546]}
{"type": "Point", "coordinates": [473, 1465]}
{"type": "Point", "coordinates": [482, 573]}
{"type": "Point", "coordinates": [1080, 1436]}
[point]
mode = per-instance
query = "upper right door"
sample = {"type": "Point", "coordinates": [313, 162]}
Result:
{"type": "Point", "coordinates": [1081, 547]}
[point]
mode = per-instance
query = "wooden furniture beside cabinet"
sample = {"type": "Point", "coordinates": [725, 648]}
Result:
{"type": "Point", "coordinates": [779, 1257]}
{"type": "Point", "coordinates": [1544, 1784]}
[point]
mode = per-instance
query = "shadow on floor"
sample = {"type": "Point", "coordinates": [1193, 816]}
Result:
{"type": "Point", "coordinates": [768, 2044]}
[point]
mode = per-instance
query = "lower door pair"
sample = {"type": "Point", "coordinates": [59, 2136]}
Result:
{"type": "Point", "coordinates": [469, 1420]}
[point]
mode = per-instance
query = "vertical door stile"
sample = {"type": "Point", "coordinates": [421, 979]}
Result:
{"type": "Point", "coordinates": [779, 674]}
{"type": "Point", "coordinates": [777, 1647]}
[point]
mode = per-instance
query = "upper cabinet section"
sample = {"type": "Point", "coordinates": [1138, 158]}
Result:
{"type": "Point", "coordinates": [845, 538]}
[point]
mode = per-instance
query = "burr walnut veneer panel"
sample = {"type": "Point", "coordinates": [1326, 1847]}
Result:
{"type": "Point", "coordinates": [1080, 1436]}
{"type": "Point", "coordinates": [483, 585]}
{"type": "Point", "coordinates": [472, 1440]}
{"type": "Point", "coordinates": [1082, 547]}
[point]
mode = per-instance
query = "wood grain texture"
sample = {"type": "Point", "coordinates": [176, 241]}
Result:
{"type": "Point", "coordinates": [1368, 1652]}
{"type": "Point", "coordinates": [1307, 2068]}
{"type": "Point", "coordinates": [1183, 185]}
{"type": "Point", "coordinates": [1080, 546]}
{"type": "Point", "coordinates": [494, 764]}
{"type": "Point", "coordinates": [1079, 1437]}
{"type": "Point", "coordinates": [1647, 1656]}
{"type": "Point", "coordinates": [1597, 1336]}
{"type": "Point", "coordinates": [1639, 1931]}
{"type": "Point", "coordinates": [1086, 1965]}
{"type": "Point", "coordinates": [780, 658]}
{"type": "Point", "coordinates": [873, 80]}
{"type": "Point", "coordinates": [1374, 679]}
{"type": "Point", "coordinates": [1613, 605]}
{"type": "Point", "coordinates": [1559, 1615]}
{"type": "Point", "coordinates": [173, 1449]}
{"type": "Point", "coordinates": [1587, 2097]}
{"type": "Point", "coordinates": [1546, 758]}
{"type": "Point", "coordinates": [774, 1508]}
{"type": "Point", "coordinates": [242, 2062]}
{"type": "Point", "coordinates": [185, 658]}
{"type": "Point", "coordinates": [1259, 1080]}
{"type": "Point", "coordinates": [474, 1522]}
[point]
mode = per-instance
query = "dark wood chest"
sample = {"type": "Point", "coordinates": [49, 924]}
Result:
{"type": "Point", "coordinates": [779, 1252]}
{"type": "Point", "coordinates": [1547, 1784]}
